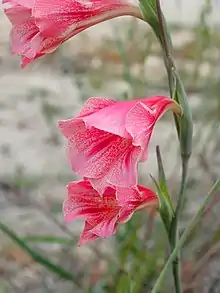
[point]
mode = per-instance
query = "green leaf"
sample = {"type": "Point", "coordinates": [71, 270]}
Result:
{"type": "Point", "coordinates": [44, 261]}
{"type": "Point", "coordinates": [149, 11]}
{"type": "Point", "coordinates": [185, 121]}
{"type": "Point", "coordinates": [124, 284]}
{"type": "Point", "coordinates": [166, 208]}
{"type": "Point", "coordinates": [162, 180]}
{"type": "Point", "coordinates": [165, 211]}
{"type": "Point", "coordinates": [48, 239]}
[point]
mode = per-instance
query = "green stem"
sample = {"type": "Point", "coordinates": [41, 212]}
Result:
{"type": "Point", "coordinates": [166, 45]}
{"type": "Point", "coordinates": [164, 40]}
{"type": "Point", "coordinates": [174, 231]}
{"type": "Point", "coordinates": [168, 60]}
{"type": "Point", "coordinates": [184, 237]}
{"type": "Point", "coordinates": [184, 137]}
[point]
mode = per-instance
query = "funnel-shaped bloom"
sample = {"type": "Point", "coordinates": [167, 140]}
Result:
{"type": "Point", "coordinates": [108, 138]}
{"type": "Point", "coordinates": [102, 214]}
{"type": "Point", "coordinates": [40, 26]}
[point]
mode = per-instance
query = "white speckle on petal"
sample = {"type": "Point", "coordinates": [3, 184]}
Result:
{"type": "Point", "coordinates": [69, 30]}
{"type": "Point", "coordinates": [85, 3]}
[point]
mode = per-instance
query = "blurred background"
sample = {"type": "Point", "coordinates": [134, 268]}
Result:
{"type": "Point", "coordinates": [120, 59]}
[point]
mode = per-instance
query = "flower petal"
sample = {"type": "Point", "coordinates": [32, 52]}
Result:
{"type": "Point", "coordinates": [91, 151]}
{"type": "Point", "coordinates": [84, 202]}
{"type": "Point", "coordinates": [67, 127]}
{"type": "Point", "coordinates": [56, 21]}
{"type": "Point", "coordinates": [21, 36]}
{"type": "Point", "coordinates": [139, 123]}
{"type": "Point", "coordinates": [25, 60]}
{"type": "Point", "coordinates": [123, 171]}
{"type": "Point", "coordinates": [125, 195]}
{"type": "Point", "coordinates": [17, 14]}
{"type": "Point", "coordinates": [67, 18]}
{"type": "Point", "coordinates": [105, 228]}
{"type": "Point", "coordinates": [93, 105]}
{"type": "Point", "coordinates": [107, 140]}
{"type": "Point", "coordinates": [143, 116]}
{"type": "Point", "coordinates": [23, 3]}
{"type": "Point", "coordinates": [102, 214]}
{"type": "Point", "coordinates": [133, 199]}
{"type": "Point", "coordinates": [94, 154]}
{"type": "Point", "coordinates": [125, 214]}
{"type": "Point", "coordinates": [86, 235]}
{"type": "Point", "coordinates": [111, 119]}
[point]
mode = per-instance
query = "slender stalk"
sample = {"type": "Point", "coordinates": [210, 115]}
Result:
{"type": "Point", "coordinates": [184, 237]}
{"type": "Point", "coordinates": [168, 60]}
{"type": "Point", "coordinates": [165, 43]}
{"type": "Point", "coordinates": [174, 231]}
{"type": "Point", "coordinates": [184, 124]}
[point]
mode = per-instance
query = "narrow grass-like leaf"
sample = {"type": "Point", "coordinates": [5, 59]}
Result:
{"type": "Point", "coordinates": [166, 212]}
{"type": "Point", "coordinates": [48, 239]}
{"type": "Point", "coordinates": [39, 258]}
{"type": "Point", "coordinates": [162, 179]}
{"type": "Point", "coordinates": [149, 10]}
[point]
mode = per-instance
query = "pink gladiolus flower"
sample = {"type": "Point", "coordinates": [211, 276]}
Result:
{"type": "Point", "coordinates": [102, 214]}
{"type": "Point", "coordinates": [108, 138]}
{"type": "Point", "coordinates": [40, 26]}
